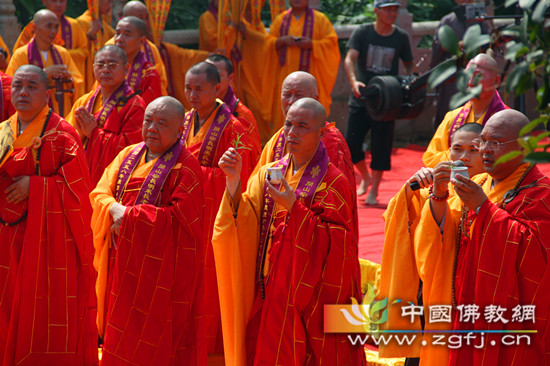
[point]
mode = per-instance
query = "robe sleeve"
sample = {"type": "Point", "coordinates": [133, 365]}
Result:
{"type": "Point", "coordinates": [438, 149]}
{"type": "Point", "coordinates": [208, 35]}
{"type": "Point", "coordinates": [150, 85]}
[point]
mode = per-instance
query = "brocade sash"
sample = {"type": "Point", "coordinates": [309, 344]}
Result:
{"type": "Point", "coordinates": [136, 72]}
{"type": "Point", "coordinates": [123, 90]}
{"type": "Point", "coordinates": [36, 59]}
{"type": "Point", "coordinates": [305, 55]}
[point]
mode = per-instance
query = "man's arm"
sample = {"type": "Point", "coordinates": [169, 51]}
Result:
{"type": "Point", "coordinates": [349, 65]}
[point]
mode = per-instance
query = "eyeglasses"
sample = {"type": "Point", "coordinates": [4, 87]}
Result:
{"type": "Point", "coordinates": [491, 144]}
{"type": "Point", "coordinates": [108, 65]}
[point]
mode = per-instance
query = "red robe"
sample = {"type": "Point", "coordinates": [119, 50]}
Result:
{"type": "Point", "coordinates": [47, 307]}
{"type": "Point", "coordinates": [154, 301]}
{"type": "Point", "coordinates": [506, 263]}
{"type": "Point", "coordinates": [122, 128]}
{"type": "Point", "coordinates": [214, 187]}
{"type": "Point", "coordinates": [7, 108]}
{"type": "Point", "coordinates": [149, 85]}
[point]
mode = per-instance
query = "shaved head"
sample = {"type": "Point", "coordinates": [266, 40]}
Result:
{"type": "Point", "coordinates": [136, 9]}
{"type": "Point", "coordinates": [117, 51]}
{"type": "Point", "coordinates": [485, 61]}
{"type": "Point", "coordinates": [43, 14]}
{"type": "Point", "coordinates": [42, 76]}
{"type": "Point", "coordinates": [138, 24]}
{"type": "Point", "coordinates": [211, 71]}
{"type": "Point", "coordinates": [296, 85]}
{"type": "Point", "coordinates": [319, 112]}
{"type": "Point", "coordinates": [509, 122]}
{"type": "Point", "coordinates": [171, 105]}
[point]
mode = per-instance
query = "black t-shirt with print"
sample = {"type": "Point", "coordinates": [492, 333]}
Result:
{"type": "Point", "coordinates": [378, 55]}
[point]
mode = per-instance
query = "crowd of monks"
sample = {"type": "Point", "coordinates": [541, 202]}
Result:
{"type": "Point", "coordinates": [140, 205]}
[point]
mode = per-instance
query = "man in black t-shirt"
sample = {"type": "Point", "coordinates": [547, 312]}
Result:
{"type": "Point", "coordinates": [374, 49]}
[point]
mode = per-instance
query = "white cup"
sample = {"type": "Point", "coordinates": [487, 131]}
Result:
{"type": "Point", "coordinates": [274, 175]}
{"type": "Point", "coordinates": [459, 170]}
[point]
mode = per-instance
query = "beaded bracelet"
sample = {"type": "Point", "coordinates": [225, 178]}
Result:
{"type": "Point", "coordinates": [432, 195]}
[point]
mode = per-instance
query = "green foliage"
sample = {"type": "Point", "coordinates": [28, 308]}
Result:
{"type": "Point", "coordinates": [25, 9]}
{"type": "Point", "coordinates": [348, 11]}
{"type": "Point", "coordinates": [527, 48]}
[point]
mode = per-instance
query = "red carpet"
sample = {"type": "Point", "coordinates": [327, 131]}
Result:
{"type": "Point", "coordinates": [405, 162]}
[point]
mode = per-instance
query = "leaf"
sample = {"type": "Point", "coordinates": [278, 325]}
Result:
{"type": "Point", "coordinates": [509, 156]}
{"type": "Point", "coordinates": [509, 3]}
{"type": "Point", "coordinates": [539, 12]}
{"type": "Point", "coordinates": [515, 76]}
{"type": "Point", "coordinates": [448, 39]}
{"type": "Point", "coordinates": [460, 98]}
{"type": "Point", "coordinates": [473, 39]}
{"type": "Point", "coordinates": [526, 4]}
{"type": "Point", "coordinates": [514, 50]}
{"type": "Point", "coordinates": [531, 126]}
{"type": "Point", "coordinates": [537, 157]}
{"type": "Point", "coordinates": [532, 56]}
{"type": "Point", "coordinates": [442, 72]}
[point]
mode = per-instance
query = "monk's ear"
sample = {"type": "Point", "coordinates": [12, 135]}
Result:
{"type": "Point", "coordinates": [142, 40]}
{"type": "Point", "coordinates": [323, 131]}
{"type": "Point", "coordinates": [231, 77]}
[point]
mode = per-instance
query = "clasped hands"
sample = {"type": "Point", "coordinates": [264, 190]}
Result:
{"type": "Point", "coordinates": [86, 123]}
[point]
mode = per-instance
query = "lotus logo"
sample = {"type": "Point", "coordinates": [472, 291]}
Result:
{"type": "Point", "coordinates": [370, 314]}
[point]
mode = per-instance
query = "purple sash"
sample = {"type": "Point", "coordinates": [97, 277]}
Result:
{"type": "Point", "coordinates": [279, 149]}
{"type": "Point", "coordinates": [168, 66]}
{"type": "Point", "coordinates": [211, 141]}
{"type": "Point", "coordinates": [311, 178]}
{"type": "Point", "coordinates": [305, 55]}
{"type": "Point", "coordinates": [149, 53]}
{"type": "Point", "coordinates": [122, 91]}
{"type": "Point", "coordinates": [66, 32]}
{"type": "Point", "coordinates": [136, 71]}
{"type": "Point", "coordinates": [213, 9]}
{"type": "Point", "coordinates": [36, 59]}
{"type": "Point", "coordinates": [153, 183]}
{"type": "Point", "coordinates": [496, 105]}
{"type": "Point", "coordinates": [230, 100]}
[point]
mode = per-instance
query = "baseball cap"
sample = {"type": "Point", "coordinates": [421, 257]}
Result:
{"type": "Point", "coordinates": [384, 3]}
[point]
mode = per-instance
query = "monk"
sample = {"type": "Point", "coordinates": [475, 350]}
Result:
{"type": "Point", "coordinates": [300, 39]}
{"type": "Point", "coordinates": [4, 55]}
{"type": "Point", "coordinates": [301, 84]}
{"type": "Point", "coordinates": [108, 118]}
{"type": "Point", "coordinates": [415, 267]}
{"type": "Point", "coordinates": [292, 251]}
{"type": "Point", "coordinates": [142, 76]}
{"type": "Point", "coordinates": [97, 30]}
{"type": "Point", "coordinates": [55, 60]}
{"type": "Point", "coordinates": [149, 250]}
{"type": "Point", "coordinates": [171, 61]}
{"type": "Point", "coordinates": [6, 108]}
{"type": "Point", "coordinates": [208, 28]}
{"type": "Point", "coordinates": [69, 35]}
{"type": "Point", "coordinates": [478, 110]}
{"type": "Point", "coordinates": [47, 307]}
{"type": "Point", "coordinates": [236, 106]}
{"type": "Point", "coordinates": [500, 229]}
{"type": "Point", "coordinates": [210, 129]}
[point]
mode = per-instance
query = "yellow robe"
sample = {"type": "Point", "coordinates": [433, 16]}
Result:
{"type": "Point", "coordinates": [79, 50]}
{"type": "Point", "coordinates": [324, 61]}
{"type": "Point", "coordinates": [21, 57]}
{"type": "Point", "coordinates": [410, 254]}
{"type": "Point", "coordinates": [103, 35]}
{"type": "Point", "coordinates": [208, 32]}
{"type": "Point", "coordinates": [159, 65]}
{"type": "Point", "coordinates": [438, 149]}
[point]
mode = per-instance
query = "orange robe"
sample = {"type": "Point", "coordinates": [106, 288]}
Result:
{"type": "Point", "coordinates": [47, 307]}
{"type": "Point", "coordinates": [177, 61]}
{"type": "Point", "coordinates": [121, 128]}
{"type": "Point", "coordinates": [208, 32]}
{"type": "Point", "coordinates": [324, 61]}
{"type": "Point", "coordinates": [6, 109]}
{"type": "Point", "coordinates": [214, 187]}
{"type": "Point", "coordinates": [78, 50]}
{"type": "Point", "coordinates": [312, 261]}
{"type": "Point", "coordinates": [21, 57]}
{"type": "Point", "coordinates": [105, 33]}
{"type": "Point", "coordinates": [150, 311]}
{"type": "Point", "coordinates": [505, 262]}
